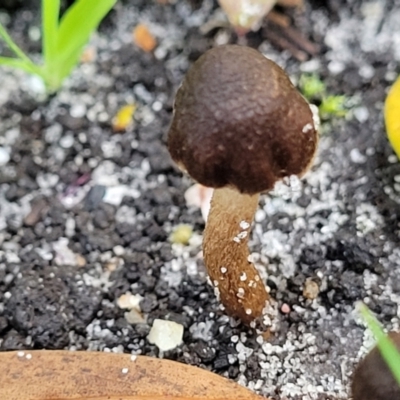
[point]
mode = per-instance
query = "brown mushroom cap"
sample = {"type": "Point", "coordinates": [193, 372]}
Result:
{"type": "Point", "coordinates": [239, 121]}
{"type": "Point", "coordinates": [372, 379]}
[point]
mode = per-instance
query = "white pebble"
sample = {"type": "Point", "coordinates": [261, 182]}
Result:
{"type": "Point", "coordinates": [118, 250]}
{"type": "Point", "coordinates": [4, 156]}
{"type": "Point", "coordinates": [234, 338]}
{"type": "Point", "coordinates": [260, 215]}
{"type": "Point", "coordinates": [336, 67]}
{"type": "Point", "coordinates": [366, 71]}
{"type": "Point", "coordinates": [361, 114]}
{"type": "Point", "coordinates": [166, 335]}
{"type": "Point", "coordinates": [78, 110]}
{"type": "Point", "coordinates": [67, 141]}
{"type": "Point", "coordinates": [130, 301]}
{"type": "Point", "coordinates": [356, 157]}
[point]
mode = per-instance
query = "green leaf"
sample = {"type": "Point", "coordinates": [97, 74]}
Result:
{"type": "Point", "coordinates": [50, 14]}
{"type": "Point", "coordinates": [16, 63]}
{"type": "Point", "coordinates": [76, 26]}
{"type": "Point", "coordinates": [62, 42]}
{"type": "Point", "coordinates": [333, 106]}
{"type": "Point", "coordinates": [13, 46]}
{"type": "Point", "coordinates": [311, 86]}
{"type": "Point", "coordinates": [388, 350]}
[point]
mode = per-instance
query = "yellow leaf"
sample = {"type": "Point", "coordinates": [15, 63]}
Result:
{"type": "Point", "coordinates": [81, 375]}
{"type": "Point", "coordinates": [124, 118]}
{"type": "Point", "coordinates": [392, 116]}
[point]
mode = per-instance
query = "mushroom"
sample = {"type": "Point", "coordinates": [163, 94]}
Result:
{"type": "Point", "coordinates": [239, 126]}
{"type": "Point", "coordinates": [372, 379]}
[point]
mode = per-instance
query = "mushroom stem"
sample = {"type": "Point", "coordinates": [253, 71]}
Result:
{"type": "Point", "coordinates": [226, 253]}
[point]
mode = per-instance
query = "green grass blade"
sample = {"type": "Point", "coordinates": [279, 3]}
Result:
{"type": "Point", "coordinates": [50, 14]}
{"type": "Point", "coordinates": [20, 64]}
{"type": "Point", "coordinates": [13, 46]}
{"type": "Point", "coordinates": [76, 26]}
{"type": "Point", "coordinates": [388, 350]}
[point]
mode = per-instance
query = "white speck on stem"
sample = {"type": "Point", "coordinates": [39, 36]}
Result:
{"type": "Point", "coordinates": [133, 357]}
{"type": "Point", "coordinates": [243, 277]}
{"type": "Point", "coordinates": [28, 356]}
{"type": "Point", "coordinates": [125, 370]}
{"type": "Point", "coordinates": [242, 235]}
{"type": "Point", "coordinates": [20, 354]}
{"type": "Point", "coordinates": [224, 270]}
{"type": "Point", "coordinates": [244, 225]}
{"type": "Point", "coordinates": [240, 293]}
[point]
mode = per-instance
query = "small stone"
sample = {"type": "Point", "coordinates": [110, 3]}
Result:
{"type": "Point", "coordinates": [64, 255]}
{"type": "Point", "coordinates": [118, 250]}
{"type": "Point", "coordinates": [80, 261]}
{"type": "Point", "coordinates": [38, 208]}
{"type": "Point", "coordinates": [143, 38]}
{"type": "Point", "coordinates": [67, 141]}
{"type": "Point", "coordinates": [166, 335]}
{"type": "Point", "coordinates": [356, 157]}
{"type": "Point", "coordinates": [130, 301]}
{"type": "Point", "coordinates": [285, 308]}
{"type": "Point", "coordinates": [311, 289]}
{"type": "Point", "coordinates": [4, 156]}
{"type": "Point", "coordinates": [78, 110]}
{"type": "Point", "coordinates": [115, 194]}
{"type": "Point", "coordinates": [70, 227]}
{"type": "Point", "coordinates": [46, 181]}
{"type": "Point", "coordinates": [134, 317]}
{"type": "Point", "coordinates": [94, 197]}
{"type": "Point", "coordinates": [361, 114]}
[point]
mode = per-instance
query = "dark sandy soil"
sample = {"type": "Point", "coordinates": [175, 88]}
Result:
{"type": "Point", "coordinates": [85, 214]}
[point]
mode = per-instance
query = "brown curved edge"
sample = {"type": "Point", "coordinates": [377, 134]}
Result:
{"type": "Point", "coordinates": [65, 375]}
